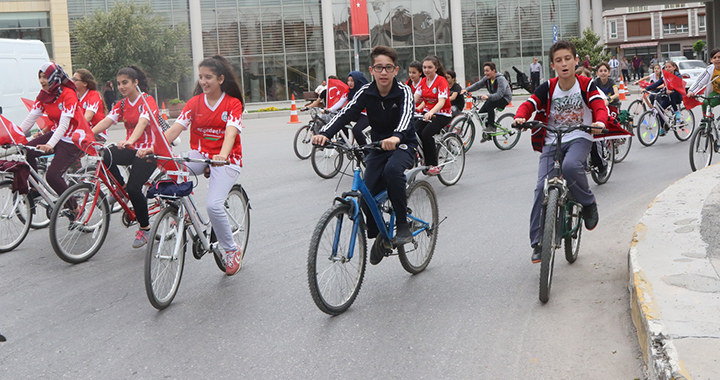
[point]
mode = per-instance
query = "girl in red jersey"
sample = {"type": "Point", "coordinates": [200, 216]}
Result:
{"type": "Point", "coordinates": [433, 90]}
{"type": "Point", "coordinates": [131, 109]}
{"type": "Point", "coordinates": [214, 117]}
{"type": "Point", "coordinates": [59, 101]}
{"type": "Point", "coordinates": [90, 100]}
{"type": "Point", "coordinates": [415, 74]}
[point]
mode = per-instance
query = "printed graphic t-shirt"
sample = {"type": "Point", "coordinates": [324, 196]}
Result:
{"type": "Point", "coordinates": [432, 91]}
{"type": "Point", "coordinates": [568, 109]}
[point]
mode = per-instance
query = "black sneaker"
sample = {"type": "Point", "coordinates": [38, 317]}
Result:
{"type": "Point", "coordinates": [602, 170]}
{"type": "Point", "coordinates": [403, 235]}
{"type": "Point", "coordinates": [590, 214]}
{"type": "Point", "coordinates": [377, 251]}
{"type": "Point", "coordinates": [537, 254]}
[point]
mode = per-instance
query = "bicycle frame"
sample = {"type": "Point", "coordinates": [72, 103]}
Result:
{"type": "Point", "coordinates": [35, 179]}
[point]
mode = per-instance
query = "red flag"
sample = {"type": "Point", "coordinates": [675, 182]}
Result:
{"type": "Point", "coordinates": [11, 133]}
{"type": "Point", "coordinates": [643, 83]}
{"type": "Point", "coordinates": [43, 122]}
{"type": "Point", "coordinates": [673, 82]}
{"type": "Point", "coordinates": [161, 146]}
{"type": "Point", "coordinates": [359, 18]}
{"type": "Point", "coordinates": [336, 91]}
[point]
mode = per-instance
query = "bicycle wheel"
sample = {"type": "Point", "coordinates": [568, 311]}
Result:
{"type": "Point", "coordinates": [648, 128]}
{"type": "Point", "coordinates": [79, 223]}
{"type": "Point", "coordinates": [15, 217]}
{"type": "Point", "coordinates": [573, 220]}
{"type": "Point", "coordinates": [423, 217]}
{"type": "Point", "coordinates": [451, 159]}
{"type": "Point", "coordinates": [41, 211]}
{"type": "Point", "coordinates": [510, 136]}
{"type": "Point", "coordinates": [702, 146]}
{"type": "Point", "coordinates": [326, 161]}
{"type": "Point", "coordinates": [302, 144]}
{"type": "Point", "coordinates": [165, 258]}
{"type": "Point", "coordinates": [464, 126]}
{"type": "Point", "coordinates": [237, 208]}
{"type": "Point", "coordinates": [607, 152]}
{"type": "Point", "coordinates": [335, 274]}
{"type": "Point", "coordinates": [685, 128]}
{"type": "Point", "coordinates": [637, 108]}
{"type": "Point", "coordinates": [548, 244]}
{"type": "Point", "coordinates": [622, 145]}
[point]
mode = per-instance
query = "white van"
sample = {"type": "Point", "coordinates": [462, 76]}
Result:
{"type": "Point", "coordinates": [20, 61]}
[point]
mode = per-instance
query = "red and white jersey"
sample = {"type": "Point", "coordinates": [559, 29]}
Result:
{"type": "Point", "coordinates": [66, 104]}
{"type": "Point", "coordinates": [208, 124]}
{"type": "Point", "coordinates": [91, 101]}
{"type": "Point", "coordinates": [130, 112]}
{"type": "Point", "coordinates": [432, 91]}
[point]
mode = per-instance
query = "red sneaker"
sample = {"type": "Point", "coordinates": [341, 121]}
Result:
{"type": "Point", "coordinates": [434, 170]}
{"type": "Point", "coordinates": [233, 262]}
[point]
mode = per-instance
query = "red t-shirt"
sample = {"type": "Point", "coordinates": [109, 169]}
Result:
{"type": "Point", "coordinates": [66, 104]}
{"type": "Point", "coordinates": [92, 101]}
{"type": "Point", "coordinates": [131, 112]}
{"type": "Point", "coordinates": [208, 124]}
{"type": "Point", "coordinates": [430, 92]}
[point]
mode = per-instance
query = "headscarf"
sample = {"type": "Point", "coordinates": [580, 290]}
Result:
{"type": "Point", "coordinates": [57, 79]}
{"type": "Point", "coordinates": [360, 81]}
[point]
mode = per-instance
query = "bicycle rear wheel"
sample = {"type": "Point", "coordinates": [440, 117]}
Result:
{"type": "Point", "coordinates": [648, 128]}
{"type": "Point", "coordinates": [326, 162]}
{"type": "Point", "coordinates": [334, 273]}
{"type": "Point", "coordinates": [572, 240]}
{"type": "Point", "coordinates": [15, 217]}
{"type": "Point", "coordinates": [702, 146]}
{"type": "Point", "coordinates": [41, 211]}
{"type": "Point", "coordinates": [606, 149]}
{"type": "Point", "coordinates": [622, 145]}
{"type": "Point", "coordinates": [464, 126]}
{"type": "Point", "coordinates": [302, 144]}
{"type": "Point", "coordinates": [637, 108]}
{"type": "Point", "coordinates": [451, 159]}
{"type": "Point", "coordinates": [686, 126]}
{"type": "Point", "coordinates": [511, 135]}
{"type": "Point", "coordinates": [423, 217]}
{"type": "Point", "coordinates": [548, 244]}
{"type": "Point", "coordinates": [165, 258]}
{"type": "Point", "coordinates": [79, 223]}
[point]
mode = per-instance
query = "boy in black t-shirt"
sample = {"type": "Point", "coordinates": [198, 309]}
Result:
{"type": "Point", "coordinates": [456, 98]}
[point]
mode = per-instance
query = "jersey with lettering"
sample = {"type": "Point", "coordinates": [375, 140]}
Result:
{"type": "Point", "coordinates": [130, 112]}
{"type": "Point", "coordinates": [66, 104]}
{"type": "Point", "coordinates": [432, 91]}
{"type": "Point", "coordinates": [208, 124]}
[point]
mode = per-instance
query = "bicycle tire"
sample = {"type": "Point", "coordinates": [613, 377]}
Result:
{"type": "Point", "coordinates": [608, 155]}
{"type": "Point", "coordinates": [684, 130]}
{"type": "Point", "coordinates": [636, 108]}
{"type": "Point", "coordinates": [237, 208]}
{"type": "Point", "coordinates": [16, 217]}
{"type": "Point", "coordinates": [702, 146]}
{"type": "Point", "coordinates": [548, 244]}
{"type": "Point", "coordinates": [464, 126]}
{"type": "Point", "coordinates": [572, 242]}
{"type": "Point", "coordinates": [350, 271]}
{"type": "Point", "coordinates": [302, 143]}
{"type": "Point", "coordinates": [326, 162]}
{"type": "Point", "coordinates": [67, 228]}
{"type": "Point", "coordinates": [451, 159]}
{"type": "Point", "coordinates": [510, 138]}
{"type": "Point", "coordinates": [422, 204]}
{"type": "Point", "coordinates": [648, 128]}
{"type": "Point", "coordinates": [165, 258]}
{"type": "Point", "coordinates": [623, 145]}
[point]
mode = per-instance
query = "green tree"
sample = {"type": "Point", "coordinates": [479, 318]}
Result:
{"type": "Point", "coordinates": [698, 47]}
{"type": "Point", "coordinates": [131, 34]}
{"type": "Point", "coordinates": [589, 44]}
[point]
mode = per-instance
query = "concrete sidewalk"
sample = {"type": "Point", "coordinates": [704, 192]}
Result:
{"type": "Point", "coordinates": [674, 283]}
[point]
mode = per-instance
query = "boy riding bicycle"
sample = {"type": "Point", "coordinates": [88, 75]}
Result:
{"type": "Point", "coordinates": [500, 94]}
{"type": "Point", "coordinates": [389, 106]}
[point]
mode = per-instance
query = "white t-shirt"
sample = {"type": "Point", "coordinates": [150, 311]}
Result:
{"type": "Point", "coordinates": [567, 108]}
{"type": "Point", "coordinates": [320, 89]}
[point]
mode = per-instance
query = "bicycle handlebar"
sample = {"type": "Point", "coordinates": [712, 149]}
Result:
{"type": "Point", "coordinates": [564, 131]}
{"type": "Point", "coordinates": [23, 146]}
{"type": "Point", "coordinates": [187, 159]}
{"type": "Point", "coordinates": [706, 97]}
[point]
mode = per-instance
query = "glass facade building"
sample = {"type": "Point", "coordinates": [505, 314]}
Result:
{"type": "Point", "coordinates": [27, 26]}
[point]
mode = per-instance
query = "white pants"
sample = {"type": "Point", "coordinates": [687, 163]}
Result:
{"type": "Point", "coordinates": [222, 179]}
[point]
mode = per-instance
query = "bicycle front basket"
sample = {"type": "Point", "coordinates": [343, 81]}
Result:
{"type": "Point", "coordinates": [170, 188]}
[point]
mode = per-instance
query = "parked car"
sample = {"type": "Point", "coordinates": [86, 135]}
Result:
{"type": "Point", "coordinates": [678, 58]}
{"type": "Point", "coordinates": [690, 70]}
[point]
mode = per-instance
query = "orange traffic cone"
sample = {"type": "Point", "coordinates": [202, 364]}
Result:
{"type": "Point", "coordinates": [510, 105]}
{"type": "Point", "coordinates": [622, 90]}
{"type": "Point", "coordinates": [468, 101]}
{"type": "Point", "coordinates": [164, 112]}
{"type": "Point", "coordinates": [293, 112]}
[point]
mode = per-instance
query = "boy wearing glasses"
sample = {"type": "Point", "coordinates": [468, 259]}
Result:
{"type": "Point", "coordinates": [389, 106]}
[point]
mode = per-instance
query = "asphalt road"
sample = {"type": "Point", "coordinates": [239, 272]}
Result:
{"type": "Point", "coordinates": [474, 313]}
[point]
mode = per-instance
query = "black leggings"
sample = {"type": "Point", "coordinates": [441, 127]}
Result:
{"type": "Point", "coordinates": [426, 131]}
{"type": "Point", "coordinates": [142, 169]}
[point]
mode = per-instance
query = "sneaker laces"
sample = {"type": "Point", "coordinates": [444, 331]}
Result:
{"type": "Point", "coordinates": [141, 234]}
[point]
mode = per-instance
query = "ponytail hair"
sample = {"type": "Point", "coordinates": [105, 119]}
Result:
{"type": "Point", "coordinates": [135, 73]}
{"type": "Point", "coordinates": [438, 64]}
{"type": "Point", "coordinates": [221, 67]}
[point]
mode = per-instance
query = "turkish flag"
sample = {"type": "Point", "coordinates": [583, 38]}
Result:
{"type": "Point", "coordinates": [673, 82]}
{"type": "Point", "coordinates": [691, 103]}
{"type": "Point", "coordinates": [359, 18]}
{"type": "Point", "coordinates": [10, 133]}
{"type": "Point", "coordinates": [161, 147]}
{"type": "Point", "coordinates": [337, 91]}
{"type": "Point", "coordinates": [43, 122]}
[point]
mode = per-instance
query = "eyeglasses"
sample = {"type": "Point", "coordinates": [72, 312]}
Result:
{"type": "Point", "coordinates": [380, 68]}
{"type": "Point", "coordinates": [76, 79]}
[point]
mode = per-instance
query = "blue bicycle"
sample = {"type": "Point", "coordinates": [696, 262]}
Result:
{"type": "Point", "coordinates": [337, 255]}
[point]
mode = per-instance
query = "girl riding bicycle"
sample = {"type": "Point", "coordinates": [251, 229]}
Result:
{"type": "Point", "coordinates": [710, 80]}
{"type": "Point", "coordinates": [136, 117]}
{"type": "Point", "coordinates": [433, 90]}
{"type": "Point", "coordinates": [214, 117]}
{"type": "Point", "coordinates": [673, 98]}
{"type": "Point", "coordinates": [91, 102]}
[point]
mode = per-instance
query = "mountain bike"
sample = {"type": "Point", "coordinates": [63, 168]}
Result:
{"type": "Point", "coordinates": [450, 152]}
{"type": "Point", "coordinates": [337, 254]}
{"type": "Point", "coordinates": [705, 140]}
{"type": "Point", "coordinates": [504, 138]}
{"type": "Point", "coordinates": [649, 124]}
{"type": "Point", "coordinates": [180, 223]}
{"type": "Point", "coordinates": [302, 143]}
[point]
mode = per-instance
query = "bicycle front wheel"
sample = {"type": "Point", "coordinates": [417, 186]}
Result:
{"type": "Point", "coordinates": [302, 144]}
{"type": "Point", "coordinates": [79, 223]}
{"type": "Point", "coordinates": [423, 218]}
{"type": "Point", "coordinates": [451, 159]}
{"type": "Point", "coordinates": [637, 108]}
{"type": "Point", "coordinates": [702, 146]}
{"type": "Point", "coordinates": [326, 161]}
{"type": "Point", "coordinates": [464, 126]}
{"type": "Point", "coordinates": [648, 128]}
{"type": "Point", "coordinates": [335, 271]}
{"type": "Point", "coordinates": [686, 126]}
{"type": "Point", "coordinates": [237, 208]}
{"type": "Point", "coordinates": [15, 217]}
{"type": "Point", "coordinates": [548, 244]}
{"type": "Point", "coordinates": [510, 136]}
{"type": "Point", "coordinates": [622, 145]}
{"type": "Point", "coordinates": [165, 258]}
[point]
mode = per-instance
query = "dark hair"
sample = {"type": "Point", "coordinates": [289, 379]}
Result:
{"type": "Point", "coordinates": [135, 73]}
{"type": "Point", "coordinates": [560, 45]}
{"type": "Point", "coordinates": [602, 64]}
{"type": "Point", "coordinates": [713, 52]}
{"type": "Point", "coordinates": [436, 61]}
{"type": "Point", "coordinates": [674, 65]}
{"type": "Point", "coordinates": [87, 77]}
{"type": "Point", "coordinates": [452, 74]}
{"type": "Point", "coordinates": [221, 67]}
{"type": "Point", "coordinates": [491, 65]}
{"type": "Point", "coordinates": [383, 50]}
{"type": "Point", "coordinates": [333, 77]}
{"type": "Point", "coordinates": [583, 71]}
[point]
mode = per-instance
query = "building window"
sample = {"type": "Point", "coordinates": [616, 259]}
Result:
{"type": "Point", "coordinates": [669, 28]}
{"type": "Point", "coordinates": [613, 29]}
{"type": "Point", "coordinates": [673, 6]}
{"type": "Point", "coordinates": [27, 26]}
{"type": "Point", "coordinates": [701, 23]}
{"type": "Point", "coordinates": [679, 29]}
{"type": "Point", "coordinates": [670, 50]}
{"type": "Point", "coordinates": [638, 9]}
